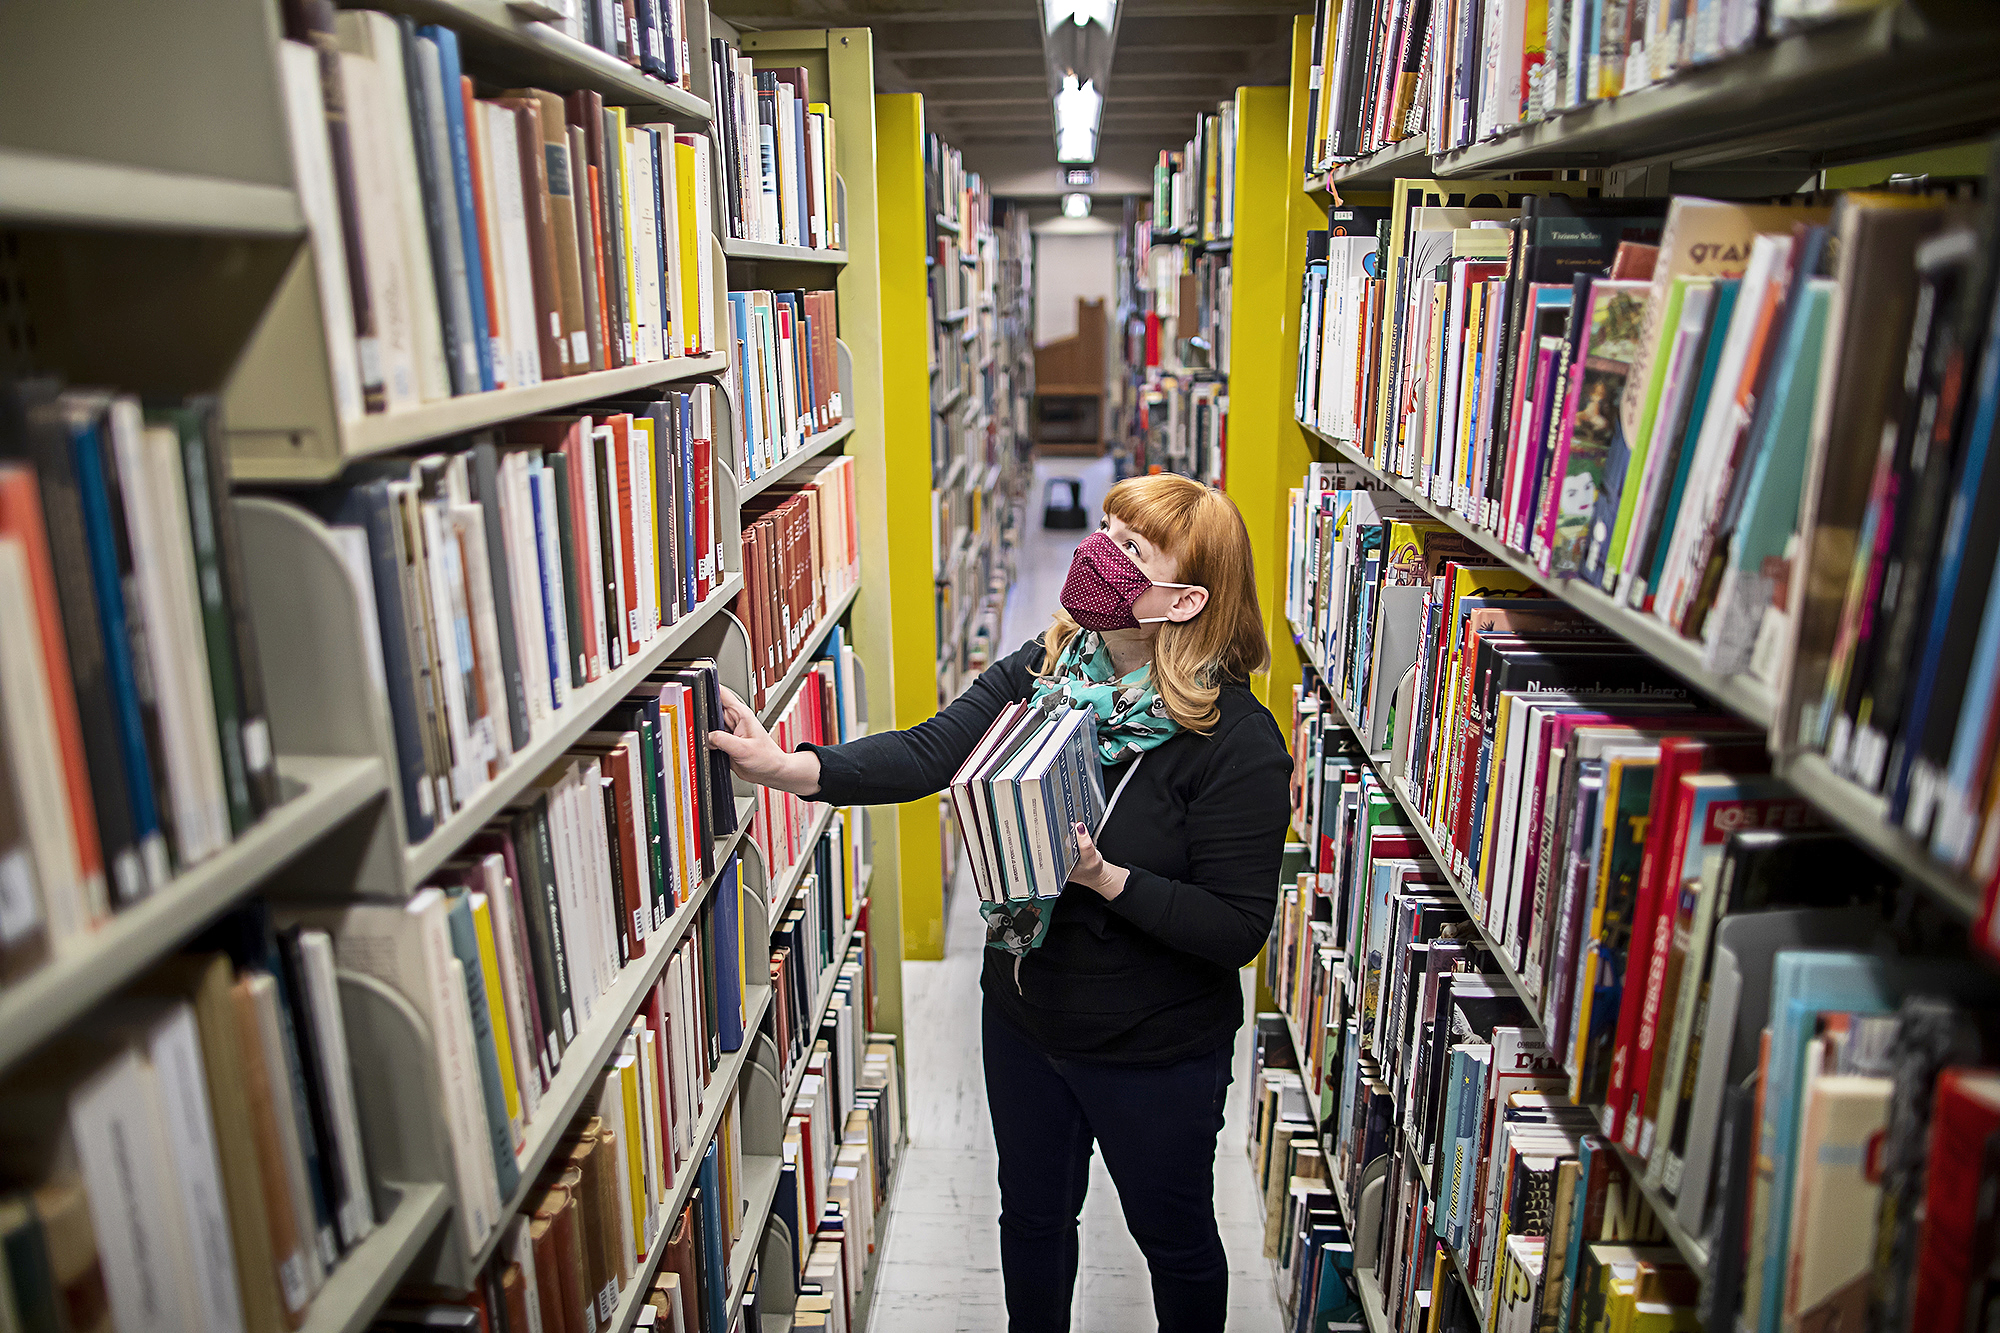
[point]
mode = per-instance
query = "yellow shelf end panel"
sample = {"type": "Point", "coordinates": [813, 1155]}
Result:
{"type": "Point", "coordinates": [1267, 450]}
{"type": "Point", "coordinates": [904, 221]}
{"type": "Point", "coordinates": [841, 62]}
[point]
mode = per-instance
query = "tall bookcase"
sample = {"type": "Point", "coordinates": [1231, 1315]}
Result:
{"type": "Point", "coordinates": [167, 253]}
{"type": "Point", "coordinates": [1780, 115]}
{"type": "Point", "coordinates": [955, 334]}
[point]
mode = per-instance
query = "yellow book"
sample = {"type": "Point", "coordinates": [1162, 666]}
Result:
{"type": "Point", "coordinates": [649, 1088]}
{"type": "Point", "coordinates": [618, 268]}
{"type": "Point", "coordinates": [496, 1005]}
{"type": "Point", "coordinates": [635, 1174]}
{"type": "Point", "coordinates": [687, 322]}
{"type": "Point", "coordinates": [742, 949]}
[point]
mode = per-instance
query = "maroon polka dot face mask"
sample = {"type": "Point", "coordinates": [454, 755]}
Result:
{"type": "Point", "coordinates": [1104, 585]}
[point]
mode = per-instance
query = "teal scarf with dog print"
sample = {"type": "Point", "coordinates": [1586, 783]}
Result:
{"type": "Point", "coordinates": [1131, 716]}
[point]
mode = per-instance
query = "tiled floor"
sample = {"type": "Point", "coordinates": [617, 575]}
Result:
{"type": "Point", "coordinates": [940, 1268]}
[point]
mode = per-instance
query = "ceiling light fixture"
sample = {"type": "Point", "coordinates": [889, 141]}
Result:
{"type": "Point", "coordinates": [1076, 205]}
{"type": "Point", "coordinates": [1078, 109]}
{"type": "Point", "coordinates": [1077, 41]}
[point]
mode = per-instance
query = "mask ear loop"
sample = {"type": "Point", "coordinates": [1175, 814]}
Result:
{"type": "Point", "coordinates": [1156, 620]}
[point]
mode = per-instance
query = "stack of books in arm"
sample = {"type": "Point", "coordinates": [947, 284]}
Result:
{"type": "Point", "coordinates": [1032, 778]}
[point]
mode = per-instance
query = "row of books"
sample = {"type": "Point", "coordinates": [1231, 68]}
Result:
{"type": "Point", "coordinates": [1619, 856]}
{"type": "Point", "coordinates": [1182, 425]}
{"type": "Point", "coordinates": [194, 1160]}
{"type": "Point", "coordinates": [779, 154]}
{"type": "Point", "coordinates": [784, 374]}
{"type": "Point", "coordinates": [1194, 189]}
{"type": "Point", "coordinates": [840, 1153]}
{"type": "Point", "coordinates": [568, 1258]}
{"type": "Point", "coordinates": [503, 577]}
{"type": "Point", "coordinates": [649, 35]}
{"type": "Point", "coordinates": [464, 244]}
{"type": "Point", "coordinates": [133, 740]}
{"type": "Point", "coordinates": [1691, 432]}
{"type": "Point", "coordinates": [1462, 71]}
{"type": "Point", "coordinates": [801, 554]}
{"type": "Point", "coordinates": [950, 191]}
{"type": "Point", "coordinates": [781, 824]}
{"type": "Point", "coordinates": [1338, 322]}
{"type": "Point", "coordinates": [1018, 798]}
{"type": "Point", "coordinates": [953, 279]}
{"type": "Point", "coordinates": [1306, 1235]}
{"type": "Point", "coordinates": [807, 934]}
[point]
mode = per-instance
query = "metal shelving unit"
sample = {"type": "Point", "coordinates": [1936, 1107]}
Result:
{"type": "Point", "coordinates": [325, 792]}
{"type": "Point", "coordinates": [585, 706]}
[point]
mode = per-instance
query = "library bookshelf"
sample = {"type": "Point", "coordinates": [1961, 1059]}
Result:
{"type": "Point", "coordinates": [1775, 117]}
{"type": "Point", "coordinates": [170, 254]}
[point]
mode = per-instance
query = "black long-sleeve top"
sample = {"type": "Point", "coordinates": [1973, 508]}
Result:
{"type": "Point", "coordinates": [1149, 977]}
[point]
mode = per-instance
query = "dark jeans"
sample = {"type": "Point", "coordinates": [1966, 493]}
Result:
{"type": "Point", "coordinates": [1157, 1125]}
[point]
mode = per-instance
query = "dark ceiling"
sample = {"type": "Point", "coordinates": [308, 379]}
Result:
{"type": "Point", "coordinates": [978, 63]}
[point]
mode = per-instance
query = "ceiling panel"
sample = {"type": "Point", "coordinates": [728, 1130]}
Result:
{"type": "Point", "coordinates": [979, 66]}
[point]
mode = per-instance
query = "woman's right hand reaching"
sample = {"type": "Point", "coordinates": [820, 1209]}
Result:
{"type": "Point", "coordinates": [755, 757]}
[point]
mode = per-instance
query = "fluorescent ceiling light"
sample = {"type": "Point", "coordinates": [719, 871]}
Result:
{"type": "Point", "coordinates": [1076, 205]}
{"type": "Point", "coordinates": [1055, 13]}
{"type": "Point", "coordinates": [1078, 108]}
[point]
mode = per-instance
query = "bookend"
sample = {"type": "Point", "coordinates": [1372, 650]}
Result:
{"type": "Point", "coordinates": [321, 700]}
{"type": "Point", "coordinates": [399, 1104]}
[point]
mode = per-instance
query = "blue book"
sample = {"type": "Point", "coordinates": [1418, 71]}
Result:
{"type": "Point", "coordinates": [465, 947]}
{"type": "Point", "coordinates": [714, 1241]}
{"type": "Point", "coordinates": [1804, 985]}
{"type": "Point", "coordinates": [541, 497]}
{"type": "Point", "coordinates": [1968, 743]}
{"type": "Point", "coordinates": [101, 539]}
{"type": "Point", "coordinates": [1468, 1142]}
{"type": "Point", "coordinates": [468, 219]}
{"type": "Point", "coordinates": [728, 956]}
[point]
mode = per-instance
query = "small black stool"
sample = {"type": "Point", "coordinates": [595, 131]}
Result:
{"type": "Point", "coordinates": [1062, 504]}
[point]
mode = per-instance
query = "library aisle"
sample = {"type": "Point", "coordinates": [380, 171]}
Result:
{"type": "Point", "coordinates": [940, 1263]}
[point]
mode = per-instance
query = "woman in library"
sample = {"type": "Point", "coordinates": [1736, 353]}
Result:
{"type": "Point", "coordinates": [1116, 1025]}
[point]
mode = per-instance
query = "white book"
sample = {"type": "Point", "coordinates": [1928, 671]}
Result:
{"type": "Point", "coordinates": [542, 490]}
{"type": "Point", "coordinates": [164, 1037]}
{"type": "Point", "coordinates": [575, 945]}
{"type": "Point", "coordinates": [639, 446]}
{"type": "Point", "coordinates": [817, 232]}
{"type": "Point", "coordinates": [48, 883]}
{"type": "Point", "coordinates": [666, 285]}
{"type": "Point", "coordinates": [703, 316]}
{"type": "Point", "coordinates": [381, 238]}
{"type": "Point", "coordinates": [312, 171]}
{"type": "Point", "coordinates": [450, 632]}
{"type": "Point", "coordinates": [377, 37]}
{"type": "Point", "coordinates": [487, 182]}
{"type": "Point", "coordinates": [513, 269]}
{"type": "Point", "coordinates": [593, 586]}
{"type": "Point", "coordinates": [466, 525]}
{"type": "Point", "coordinates": [519, 1247]}
{"type": "Point", "coordinates": [169, 496]}
{"type": "Point", "coordinates": [642, 242]}
{"type": "Point", "coordinates": [287, 1112]}
{"type": "Point", "coordinates": [115, 1122]}
{"type": "Point", "coordinates": [336, 1076]}
{"type": "Point", "coordinates": [164, 614]}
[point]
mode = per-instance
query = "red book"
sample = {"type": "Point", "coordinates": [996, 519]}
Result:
{"type": "Point", "coordinates": [1639, 1004]}
{"type": "Point", "coordinates": [628, 554]}
{"type": "Point", "coordinates": [1957, 1205]}
{"type": "Point", "coordinates": [707, 544]}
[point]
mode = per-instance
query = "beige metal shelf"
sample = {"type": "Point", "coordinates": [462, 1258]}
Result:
{"type": "Point", "coordinates": [571, 721]}
{"type": "Point", "coordinates": [499, 41]}
{"type": "Point", "coordinates": [47, 190]}
{"type": "Point", "coordinates": [814, 447]}
{"type": "Point", "coordinates": [384, 431]}
{"type": "Point", "coordinates": [790, 254]}
{"type": "Point", "coordinates": [367, 1274]}
{"type": "Point", "coordinates": [1848, 90]}
{"type": "Point", "coordinates": [1743, 695]}
{"type": "Point", "coordinates": [325, 792]}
